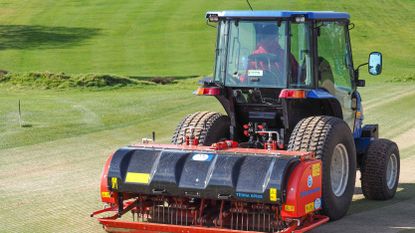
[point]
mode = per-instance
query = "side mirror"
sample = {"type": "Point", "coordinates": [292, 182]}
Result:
{"type": "Point", "coordinates": [375, 63]}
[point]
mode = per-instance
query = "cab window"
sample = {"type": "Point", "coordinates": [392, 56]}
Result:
{"type": "Point", "coordinates": [333, 58]}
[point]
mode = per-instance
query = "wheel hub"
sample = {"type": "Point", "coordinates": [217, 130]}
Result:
{"type": "Point", "coordinates": [339, 170]}
{"type": "Point", "coordinates": [391, 171]}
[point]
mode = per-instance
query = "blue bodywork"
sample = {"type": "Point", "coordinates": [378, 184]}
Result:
{"type": "Point", "coordinates": [357, 133]}
{"type": "Point", "coordinates": [280, 14]}
{"type": "Point", "coordinates": [319, 94]}
{"type": "Point", "coordinates": [361, 143]}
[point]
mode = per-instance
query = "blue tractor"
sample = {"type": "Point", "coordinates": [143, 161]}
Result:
{"type": "Point", "coordinates": [291, 72]}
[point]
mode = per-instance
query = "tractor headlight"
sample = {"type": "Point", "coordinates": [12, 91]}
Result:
{"type": "Point", "coordinates": [300, 19]}
{"type": "Point", "coordinates": [213, 18]}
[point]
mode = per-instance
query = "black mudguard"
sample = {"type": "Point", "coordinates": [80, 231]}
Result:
{"type": "Point", "coordinates": [200, 174]}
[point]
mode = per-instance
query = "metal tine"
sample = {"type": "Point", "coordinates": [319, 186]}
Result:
{"type": "Point", "coordinates": [174, 214]}
{"type": "Point", "coordinates": [263, 223]}
{"type": "Point", "coordinates": [186, 217]}
{"type": "Point", "coordinates": [132, 211]}
{"type": "Point", "coordinates": [232, 221]}
{"type": "Point", "coordinates": [163, 212]}
{"type": "Point", "coordinates": [141, 212]}
{"type": "Point", "coordinates": [247, 221]}
{"type": "Point", "coordinates": [242, 220]}
{"type": "Point", "coordinates": [237, 220]}
{"type": "Point", "coordinates": [269, 222]}
{"type": "Point", "coordinates": [177, 212]}
{"type": "Point", "coordinates": [153, 213]}
{"type": "Point", "coordinates": [253, 219]}
{"type": "Point", "coordinates": [168, 214]}
{"type": "Point", "coordinates": [159, 213]}
{"type": "Point", "coordinates": [181, 215]}
{"type": "Point", "coordinates": [146, 215]}
{"type": "Point", "coordinates": [259, 220]}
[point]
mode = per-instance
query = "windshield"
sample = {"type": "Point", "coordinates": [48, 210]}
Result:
{"type": "Point", "coordinates": [254, 54]}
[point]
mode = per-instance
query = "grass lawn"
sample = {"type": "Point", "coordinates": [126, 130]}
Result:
{"type": "Point", "coordinates": [50, 170]}
{"type": "Point", "coordinates": [167, 37]}
{"type": "Point", "coordinates": [49, 173]}
{"type": "Point", "coordinates": [50, 115]}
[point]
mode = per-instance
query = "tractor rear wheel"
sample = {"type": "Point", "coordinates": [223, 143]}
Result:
{"type": "Point", "coordinates": [331, 140]}
{"type": "Point", "coordinates": [209, 127]}
{"type": "Point", "coordinates": [380, 170]}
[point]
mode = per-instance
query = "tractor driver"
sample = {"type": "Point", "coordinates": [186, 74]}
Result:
{"type": "Point", "coordinates": [267, 60]}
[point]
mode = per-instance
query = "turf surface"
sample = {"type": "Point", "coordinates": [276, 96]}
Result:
{"type": "Point", "coordinates": [49, 169]}
{"type": "Point", "coordinates": [49, 172]}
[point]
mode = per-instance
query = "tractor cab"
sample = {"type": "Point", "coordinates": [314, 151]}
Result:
{"type": "Point", "coordinates": [278, 67]}
{"type": "Point", "coordinates": [277, 49]}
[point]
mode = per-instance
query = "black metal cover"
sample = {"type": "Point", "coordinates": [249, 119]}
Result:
{"type": "Point", "coordinates": [201, 174]}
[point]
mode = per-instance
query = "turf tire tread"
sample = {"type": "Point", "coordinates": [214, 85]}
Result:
{"type": "Point", "coordinates": [205, 121]}
{"type": "Point", "coordinates": [373, 170]}
{"type": "Point", "coordinates": [313, 134]}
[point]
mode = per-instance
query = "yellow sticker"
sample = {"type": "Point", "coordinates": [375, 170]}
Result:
{"type": "Point", "coordinates": [105, 194]}
{"type": "Point", "coordinates": [273, 194]}
{"type": "Point", "coordinates": [289, 208]}
{"type": "Point", "coordinates": [141, 178]}
{"type": "Point", "coordinates": [114, 183]}
{"type": "Point", "coordinates": [315, 169]}
{"type": "Point", "coordinates": [309, 207]}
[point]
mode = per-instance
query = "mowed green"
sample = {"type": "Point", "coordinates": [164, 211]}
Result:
{"type": "Point", "coordinates": [50, 172]}
{"type": "Point", "coordinates": [50, 169]}
{"type": "Point", "coordinates": [52, 185]}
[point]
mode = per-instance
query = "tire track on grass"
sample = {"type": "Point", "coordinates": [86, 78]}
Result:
{"type": "Point", "coordinates": [377, 102]}
{"type": "Point", "coordinates": [88, 116]}
{"type": "Point", "coordinates": [406, 139]}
